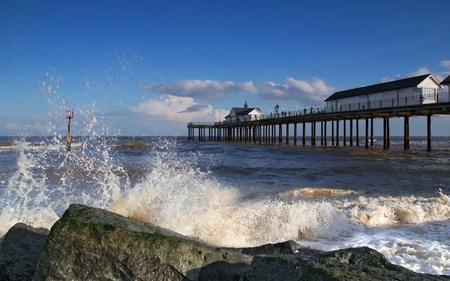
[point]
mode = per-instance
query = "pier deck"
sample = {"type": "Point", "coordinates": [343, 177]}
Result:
{"type": "Point", "coordinates": [264, 129]}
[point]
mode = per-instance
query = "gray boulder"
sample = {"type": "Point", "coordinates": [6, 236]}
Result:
{"type": "Point", "coordinates": [341, 265]}
{"type": "Point", "coordinates": [20, 250]}
{"type": "Point", "coordinates": [94, 244]}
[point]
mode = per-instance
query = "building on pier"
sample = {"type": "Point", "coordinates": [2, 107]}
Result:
{"type": "Point", "coordinates": [446, 82]}
{"type": "Point", "coordinates": [410, 91]}
{"type": "Point", "coordinates": [339, 122]}
{"type": "Point", "coordinates": [245, 113]}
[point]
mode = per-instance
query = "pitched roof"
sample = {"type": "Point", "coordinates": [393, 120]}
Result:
{"type": "Point", "coordinates": [382, 87]}
{"type": "Point", "coordinates": [446, 80]}
{"type": "Point", "coordinates": [242, 111]}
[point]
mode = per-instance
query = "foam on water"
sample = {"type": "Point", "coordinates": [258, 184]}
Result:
{"type": "Point", "coordinates": [425, 249]}
{"type": "Point", "coordinates": [48, 180]}
{"type": "Point", "coordinates": [177, 195]}
{"type": "Point", "coordinates": [318, 192]}
{"type": "Point", "coordinates": [387, 211]}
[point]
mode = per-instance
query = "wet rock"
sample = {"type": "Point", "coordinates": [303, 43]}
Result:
{"type": "Point", "coordinates": [347, 264]}
{"type": "Point", "coordinates": [94, 244]}
{"type": "Point", "coordinates": [20, 250]}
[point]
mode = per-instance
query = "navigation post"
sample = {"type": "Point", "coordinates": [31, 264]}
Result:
{"type": "Point", "coordinates": [69, 115]}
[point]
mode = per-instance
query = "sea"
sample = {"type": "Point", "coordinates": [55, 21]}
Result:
{"type": "Point", "coordinates": [243, 194]}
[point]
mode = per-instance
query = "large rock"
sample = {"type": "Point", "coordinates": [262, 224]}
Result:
{"type": "Point", "coordinates": [346, 265]}
{"type": "Point", "coordinates": [20, 250]}
{"type": "Point", "coordinates": [94, 244]}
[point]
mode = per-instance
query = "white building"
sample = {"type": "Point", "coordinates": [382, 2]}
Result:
{"type": "Point", "coordinates": [446, 94]}
{"type": "Point", "coordinates": [410, 91]}
{"type": "Point", "coordinates": [446, 82]}
{"type": "Point", "coordinates": [238, 114]}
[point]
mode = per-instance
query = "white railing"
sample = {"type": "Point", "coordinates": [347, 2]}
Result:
{"type": "Point", "coordinates": [384, 103]}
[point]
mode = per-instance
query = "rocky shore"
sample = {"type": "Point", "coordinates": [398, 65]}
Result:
{"type": "Point", "coordinates": [94, 244]}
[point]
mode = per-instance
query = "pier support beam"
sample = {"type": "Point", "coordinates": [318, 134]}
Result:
{"type": "Point", "coordinates": [332, 132]}
{"type": "Point", "coordinates": [266, 134]}
{"type": "Point", "coordinates": [428, 132]}
{"type": "Point", "coordinates": [287, 133]}
{"type": "Point", "coordinates": [337, 132]}
{"type": "Point", "coordinates": [280, 133]}
{"type": "Point", "coordinates": [295, 133]}
{"type": "Point", "coordinates": [371, 131]}
{"type": "Point", "coordinates": [313, 133]}
{"type": "Point", "coordinates": [345, 132]}
{"type": "Point", "coordinates": [304, 133]}
{"type": "Point", "coordinates": [357, 132]}
{"type": "Point", "coordinates": [351, 132]}
{"type": "Point", "coordinates": [366, 145]}
{"type": "Point", "coordinates": [406, 133]}
{"type": "Point", "coordinates": [386, 133]}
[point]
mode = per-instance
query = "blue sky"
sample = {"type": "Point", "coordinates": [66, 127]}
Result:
{"type": "Point", "coordinates": [149, 67]}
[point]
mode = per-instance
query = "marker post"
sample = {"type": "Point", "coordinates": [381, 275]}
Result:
{"type": "Point", "coordinates": [69, 115]}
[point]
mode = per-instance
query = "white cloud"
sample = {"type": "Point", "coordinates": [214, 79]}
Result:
{"type": "Point", "coordinates": [44, 128]}
{"type": "Point", "coordinates": [445, 64]}
{"type": "Point", "coordinates": [418, 72]}
{"type": "Point", "coordinates": [170, 107]}
{"type": "Point", "coordinates": [207, 90]}
{"type": "Point", "coordinates": [14, 126]}
{"type": "Point", "coordinates": [308, 92]}
{"type": "Point", "coordinates": [389, 79]}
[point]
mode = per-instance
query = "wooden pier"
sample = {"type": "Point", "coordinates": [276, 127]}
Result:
{"type": "Point", "coordinates": [264, 130]}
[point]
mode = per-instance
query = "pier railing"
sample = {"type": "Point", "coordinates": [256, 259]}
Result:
{"type": "Point", "coordinates": [383, 103]}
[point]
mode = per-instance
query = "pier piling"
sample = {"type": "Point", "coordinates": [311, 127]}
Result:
{"type": "Point", "coordinates": [264, 130]}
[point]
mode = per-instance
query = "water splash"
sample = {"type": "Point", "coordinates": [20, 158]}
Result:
{"type": "Point", "coordinates": [48, 179]}
{"type": "Point", "coordinates": [178, 195]}
{"type": "Point", "coordinates": [387, 211]}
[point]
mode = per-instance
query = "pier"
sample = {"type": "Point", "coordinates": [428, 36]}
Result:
{"type": "Point", "coordinates": [344, 126]}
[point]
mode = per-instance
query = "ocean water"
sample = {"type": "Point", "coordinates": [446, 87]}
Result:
{"type": "Point", "coordinates": [243, 194]}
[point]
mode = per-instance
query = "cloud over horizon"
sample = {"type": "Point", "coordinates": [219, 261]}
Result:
{"type": "Point", "coordinates": [207, 90]}
{"type": "Point", "coordinates": [421, 71]}
{"type": "Point", "coordinates": [315, 90]}
{"type": "Point", "coordinates": [170, 107]}
{"type": "Point", "coordinates": [445, 64]}
{"type": "Point", "coordinates": [308, 92]}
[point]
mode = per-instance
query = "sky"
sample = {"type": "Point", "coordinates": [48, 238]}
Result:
{"type": "Point", "coordinates": [147, 68]}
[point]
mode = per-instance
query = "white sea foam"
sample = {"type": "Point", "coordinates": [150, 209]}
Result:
{"type": "Point", "coordinates": [425, 249]}
{"type": "Point", "coordinates": [386, 211]}
{"type": "Point", "coordinates": [26, 196]}
{"type": "Point", "coordinates": [177, 195]}
{"type": "Point", "coordinates": [48, 180]}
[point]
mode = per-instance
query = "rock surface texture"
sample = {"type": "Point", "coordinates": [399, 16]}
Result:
{"type": "Point", "coordinates": [20, 250]}
{"type": "Point", "coordinates": [94, 244]}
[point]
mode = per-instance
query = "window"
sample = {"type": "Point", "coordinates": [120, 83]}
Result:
{"type": "Point", "coordinates": [429, 94]}
{"type": "Point", "coordinates": [418, 94]}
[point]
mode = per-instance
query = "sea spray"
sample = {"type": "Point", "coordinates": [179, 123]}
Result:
{"type": "Point", "coordinates": [26, 198]}
{"type": "Point", "coordinates": [385, 211]}
{"type": "Point", "coordinates": [179, 195]}
{"type": "Point", "coordinates": [176, 189]}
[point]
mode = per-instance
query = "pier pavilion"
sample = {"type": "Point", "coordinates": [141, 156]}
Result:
{"type": "Point", "coordinates": [411, 103]}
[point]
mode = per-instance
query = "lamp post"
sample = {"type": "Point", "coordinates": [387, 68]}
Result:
{"type": "Point", "coordinates": [69, 115]}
